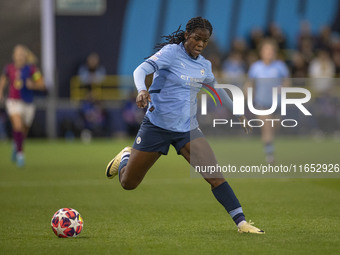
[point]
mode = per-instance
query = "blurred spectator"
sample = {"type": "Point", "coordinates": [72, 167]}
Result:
{"type": "Point", "coordinates": [92, 72]}
{"type": "Point", "coordinates": [251, 58]}
{"type": "Point", "coordinates": [324, 40]}
{"type": "Point", "coordinates": [336, 54]}
{"type": "Point", "coordinates": [211, 49]}
{"type": "Point", "coordinates": [213, 54]}
{"type": "Point", "coordinates": [256, 36]}
{"type": "Point", "coordinates": [234, 68]}
{"type": "Point", "coordinates": [240, 46]}
{"type": "Point", "coordinates": [215, 60]}
{"type": "Point", "coordinates": [299, 70]}
{"type": "Point", "coordinates": [305, 34]}
{"type": "Point", "coordinates": [275, 32]}
{"type": "Point", "coordinates": [307, 49]}
{"type": "Point", "coordinates": [336, 59]}
{"type": "Point", "coordinates": [299, 66]}
{"type": "Point", "coordinates": [322, 72]}
{"type": "Point", "coordinates": [94, 119]}
{"type": "Point", "coordinates": [92, 115]}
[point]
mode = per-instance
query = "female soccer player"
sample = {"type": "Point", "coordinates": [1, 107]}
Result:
{"type": "Point", "coordinates": [23, 77]}
{"type": "Point", "coordinates": [266, 74]}
{"type": "Point", "coordinates": [179, 71]}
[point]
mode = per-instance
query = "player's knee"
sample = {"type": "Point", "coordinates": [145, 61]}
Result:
{"type": "Point", "coordinates": [129, 185]}
{"type": "Point", "coordinates": [17, 126]}
{"type": "Point", "coordinates": [216, 182]}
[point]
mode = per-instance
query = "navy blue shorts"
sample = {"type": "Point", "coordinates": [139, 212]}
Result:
{"type": "Point", "coordinates": [155, 139]}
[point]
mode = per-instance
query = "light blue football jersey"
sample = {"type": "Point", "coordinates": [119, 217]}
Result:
{"type": "Point", "coordinates": [175, 86]}
{"type": "Point", "coordinates": [266, 77]}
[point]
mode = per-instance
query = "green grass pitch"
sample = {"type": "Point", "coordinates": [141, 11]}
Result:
{"type": "Point", "coordinates": [170, 212]}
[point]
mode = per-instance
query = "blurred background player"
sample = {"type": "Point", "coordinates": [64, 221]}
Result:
{"type": "Point", "coordinates": [23, 77]}
{"type": "Point", "coordinates": [264, 75]}
{"type": "Point", "coordinates": [171, 115]}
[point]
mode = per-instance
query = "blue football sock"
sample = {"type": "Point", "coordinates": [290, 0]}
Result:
{"type": "Point", "coordinates": [123, 163]}
{"type": "Point", "coordinates": [226, 196]}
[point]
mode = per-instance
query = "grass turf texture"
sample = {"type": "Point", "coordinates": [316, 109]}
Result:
{"type": "Point", "coordinates": [169, 213]}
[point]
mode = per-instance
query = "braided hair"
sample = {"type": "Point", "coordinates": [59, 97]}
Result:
{"type": "Point", "coordinates": [178, 36]}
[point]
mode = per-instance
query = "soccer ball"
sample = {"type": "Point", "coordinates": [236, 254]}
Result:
{"type": "Point", "coordinates": [67, 222]}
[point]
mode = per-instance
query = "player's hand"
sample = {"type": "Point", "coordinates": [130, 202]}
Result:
{"type": "Point", "coordinates": [143, 98]}
{"type": "Point", "coordinates": [1, 96]}
{"type": "Point", "coordinates": [247, 129]}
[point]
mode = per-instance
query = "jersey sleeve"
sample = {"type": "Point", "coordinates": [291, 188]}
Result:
{"type": "Point", "coordinates": [139, 75]}
{"type": "Point", "coordinates": [163, 58]}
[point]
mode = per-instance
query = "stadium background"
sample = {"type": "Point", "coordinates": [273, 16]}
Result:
{"type": "Point", "coordinates": [125, 32]}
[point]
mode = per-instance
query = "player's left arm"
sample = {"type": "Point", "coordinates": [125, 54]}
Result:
{"type": "Point", "coordinates": [36, 80]}
{"type": "Point", "coordinates": [226, 101]}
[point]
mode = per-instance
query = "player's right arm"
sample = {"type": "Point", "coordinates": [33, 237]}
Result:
{"type": "Point", "coordinates": [143, 97]}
